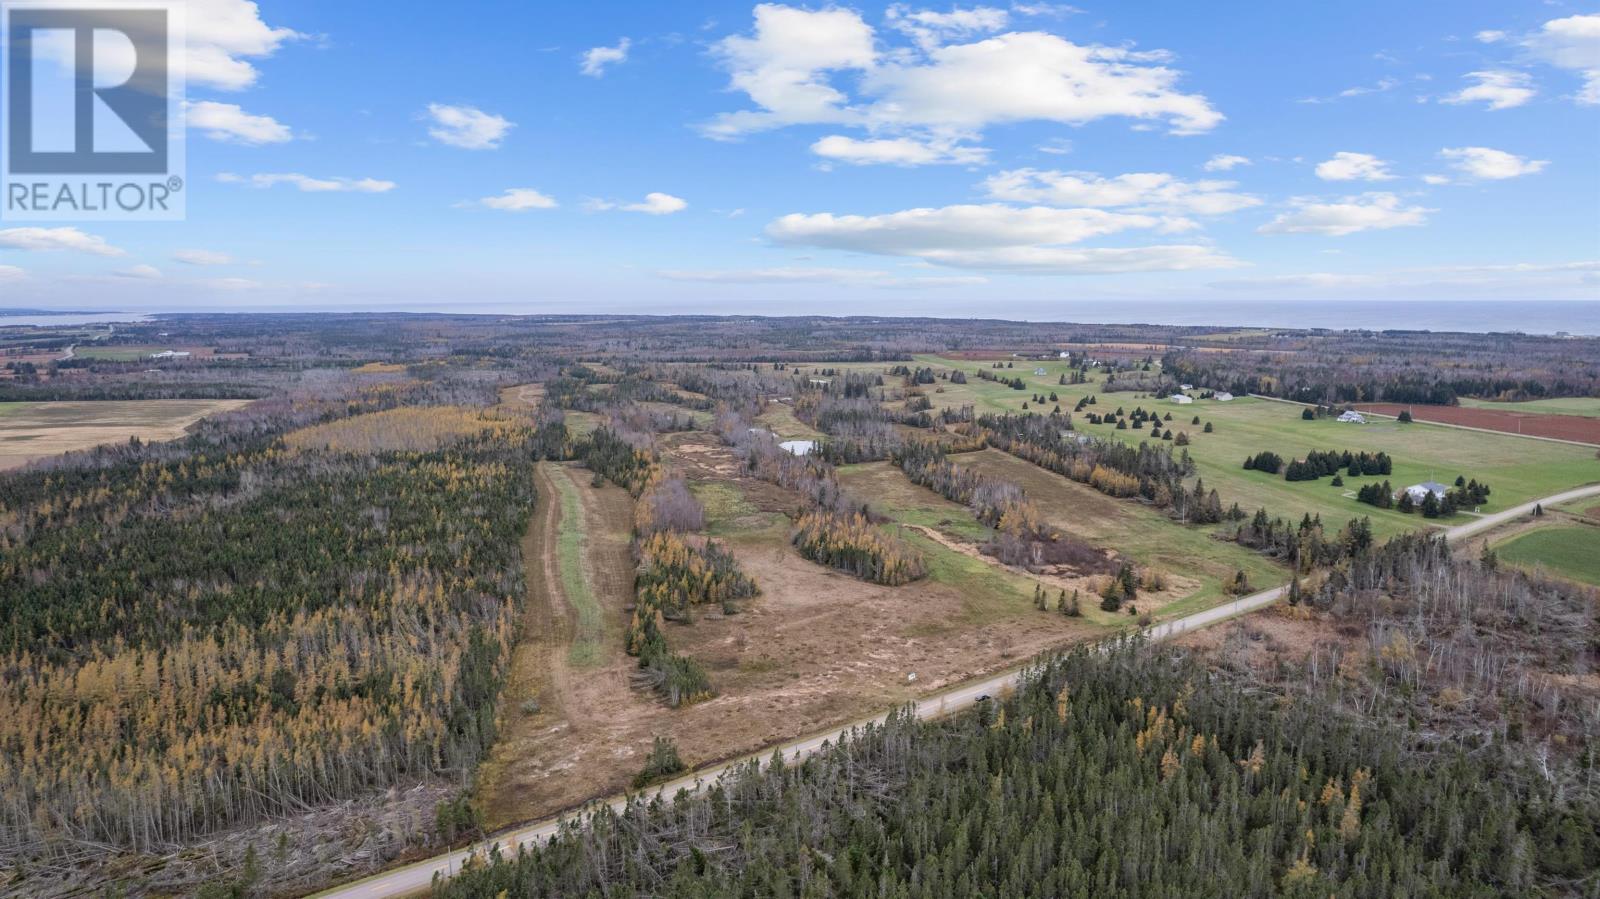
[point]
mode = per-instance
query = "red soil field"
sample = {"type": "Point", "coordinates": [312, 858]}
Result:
{"type": "Point", "coordinates": [1561, 427]}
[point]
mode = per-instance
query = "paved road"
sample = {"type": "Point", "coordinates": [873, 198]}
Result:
{"type": "Point", "coordinates": [418, 877]}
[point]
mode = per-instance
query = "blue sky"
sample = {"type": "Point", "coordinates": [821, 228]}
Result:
{"type": "Point", "coordinates": [982, 159]}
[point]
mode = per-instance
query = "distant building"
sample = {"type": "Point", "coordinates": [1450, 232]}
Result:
{"type": "Point", "coordinates": [1040, 371]}
{"type": "Point", "coordinates": [1419, 492]}
{"type": "Point", "coordinates": [170, 354]}
{"type": "Point", "coordinates": [820, 382]}
{"type": "Point", "coordinates": [1222, 396]}
{"type": "Point", "coordinates": [1353, 417]}
{"type": "Point", "coordinates": [1182, 399]}
{"type": "Point", "coordinates": [1185, 386]}
{"type": "Point", "coordinates": [1065, 355]}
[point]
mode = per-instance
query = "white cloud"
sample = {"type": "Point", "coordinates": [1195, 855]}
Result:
{"type": "Point", "coordinates": [228, 123]}
{"type": "Point", "coordinates": [309, 184]}
{"type": "Point", "coordinates": [467, 127]}
{"type": "Point", "coordinates": [903, 151]}
{"type": "Point", "coordinates": [222, 35]}
{"type": "Point", "coordinates": [141, 273]}
{"type": "Point", "coordinates": [516, 199]}
{"type": "Point", "coordinates": [11, 273]}
{"type": "Point", "coordinates": [1367, 212]}
{"type": "Point", "coordinates": [1058, 146]}
{"type": "Point", "coordinates": [1346, 166]}
{"type": "Point", "coordinates": [1223, 162]}
{"type": "Point", "coordinates": [1138, 192]}
{"type": "Point", "coordinates": [1572, 43]}
{"type": "Point", "coordinates": [596, 59]}
{"type": "Point", "coordinates": [930, 29]}
{"type": "Point", "coordinates": [787, 68]}
{"type": "Point", "coordinates": [995, 236]}
{"type": "Point", "coordinates": [1383, 85]}
{"type": "Point", "coordinates": [655, 203]}
{"type": "Point", "coordinates": [1435, 180]}
{"type": "Point", "coordinates": [1488, 164]}
{"type": "Point", "coordinates": [1499, 89]}
{"type": "Point", "coordinates": [1279, 282]}
{"type": "Point", "coordinates": [1490, 37]}
{"type": "Point", "coordinates": [49, 239]}
{"type": "Point", "coordinates": [202, 257]}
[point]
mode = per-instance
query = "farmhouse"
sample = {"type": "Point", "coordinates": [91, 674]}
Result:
{"type": "Point", "coordinates": [1353, 417]}
{"type": "Point", "coordinates": [1419, 492]}
{"type": "Point", "coordinates": [1223, 396]}
{"type": "Point", "coordinates": [1185, 386]}
{"type": "Point", "coordinates": [170, 354]}
{"type": "Point", "coordinates": [1040, 371]}
{"type": "Point", "coordinates": [1182, 399]}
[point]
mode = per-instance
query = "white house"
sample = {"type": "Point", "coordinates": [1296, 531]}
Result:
{"type": "Point", "coordinates": [1185, 386]}
{"type": "Point", "coordinates": [1040, 371]}
{"type": "Point", "coordinates": [170, 354]}
{"type": "Point", "coordinates": [1222, 396]}
{"type": "Point", "coordinates": [1353, 417]}
{"type": "Point", "coordinates": [1419, 492]}
{"type": "Point", "coordinates": [1182, 399]}
{"type": "Point", "coordinates": [1065, 355]}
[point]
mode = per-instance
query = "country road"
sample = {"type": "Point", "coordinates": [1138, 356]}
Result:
{"type": "Point", "coordinates": [418, 876]}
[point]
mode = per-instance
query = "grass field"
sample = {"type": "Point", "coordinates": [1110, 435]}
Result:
{"type": "Point", "coordinates": [1571, 551]}
{"type": "Point", "coordinates": [31, 430]}
{"type": "Point", "coordinates": [1587, 407]}
{"type": "Point", "coordinates": [587, 642]}
{"type": "Point", "coordinates": [117, 353]}
{"type": "Point", "coordinates": [1516, 469]}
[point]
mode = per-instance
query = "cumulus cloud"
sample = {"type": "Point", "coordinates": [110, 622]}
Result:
{"type": "Point", "coordinates": [788, 65]}
{"type": "Point", "coordinates": [222, 37]}
{"type": "Point", "coordinates": [930, 29]}
{"type": "Point", "coordinates": [227, 123]}
{"type": "Point", "coordinates": [1345, 166]}
{"type": "Point", "coordinates": [516, 199]}
{"type": "Point", "coordinates": [596, 59]}
{"type": "Point", "coordinates": [1498, 89]}
{"type": "Point", "coordinates": [996, 236]}
{"type": "Point", "coordinates": [655, 203]}
{"type": "Point", "coordinates": [903, 151]}
{"type": "Point", "coordinates": [467, 127]}
{"type": "Point", "coordinates": [1490, 37]}
{"type": "Point", "coordinates": [310, 185]}
{"type": "Point", "coordinates": [53, 239]}
{"type": "Point", "coordinates": [1366, 212]}
{"type": "Point", "coordinates": [202, 257]}
{"type": "Point", "coordinates": [1490, 165]}
{"type": "Point", "coordinates": [1224, 162]}
{"type": "Point", "coordinates": [1572, 43]}
{"type": "Point", "coordinates": [1137, 192]}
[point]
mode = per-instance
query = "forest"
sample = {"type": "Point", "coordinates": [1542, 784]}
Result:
{"type": "Point", "coordinates": [1128, 773]}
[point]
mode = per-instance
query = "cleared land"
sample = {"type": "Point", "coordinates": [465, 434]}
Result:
{"type": "Point", "coordinates": [31, 431]}
{"type": "Point", "coordinates": [1532, 424]}
{"type": "Point", "coordinates": [1586, 406]}
{"type": "Point", "coordinates": [1570, 551]}
{"type": "Point", "coordinates": [1516, 469]}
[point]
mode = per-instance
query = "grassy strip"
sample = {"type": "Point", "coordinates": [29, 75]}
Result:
{"type": "Point", "coordinates": [1571, 551]}
{"type": "Point", "coordinates": [570, 540]}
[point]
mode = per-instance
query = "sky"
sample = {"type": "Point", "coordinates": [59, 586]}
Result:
{"type": "Point", "coordinates": [986, 160]}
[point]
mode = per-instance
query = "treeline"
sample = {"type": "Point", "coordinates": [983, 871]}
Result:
{"type": "Point", "coordinates": [674, 577]}
{"type": "Point", "coordinates": [1119, 774]}
{"type": "Point", "coordinates": [1466, 494]}
{"type": "Point", "coordinates": [1149, 472]}
{"type": "Point", "coordinates": [1321, 463]}
{"type": "Point", "coordinates": [853, 544]}
{"type": "Point", "coordinates": [1306, 545]}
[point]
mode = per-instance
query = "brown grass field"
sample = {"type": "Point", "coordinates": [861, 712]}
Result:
{"type": "Point", "coordinates": [1559, 427]}
{"type": "Point", "coordinates": [30, 431]}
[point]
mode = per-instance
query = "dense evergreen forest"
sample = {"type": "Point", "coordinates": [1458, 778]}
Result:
{"type": "Point", "coordinates": [1126, 774]}
{"type": "Point", "coordinates": [297, 604]}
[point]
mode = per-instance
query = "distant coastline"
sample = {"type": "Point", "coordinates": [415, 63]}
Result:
{"type": "Point", "coordinates": [1578, 318]}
